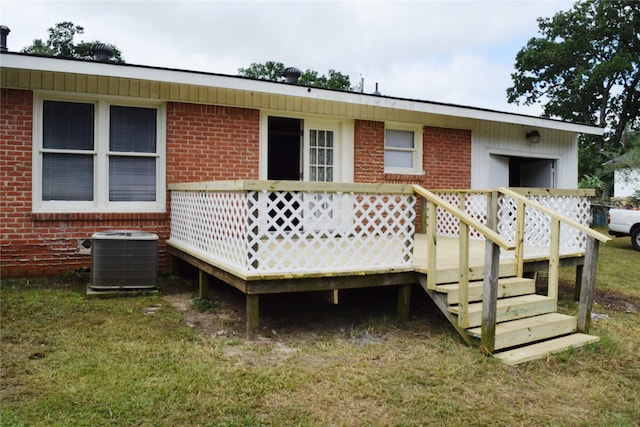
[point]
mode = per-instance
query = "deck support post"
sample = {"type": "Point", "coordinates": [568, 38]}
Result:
{"type": "Point", "coordinates": [404, 302]}
{"type": "Point", "coordinates": [173, 265]}
{"type": "Point", "coordinates": [252, 315]}
{"type": "Point", "coordinates": [203, 285]}
{"type": "Point", "coordinates": [578, 287]}
{"type": "Point", "coordinates": [587, 288]}
{"type": "Point", "coordinates": [490, 282]}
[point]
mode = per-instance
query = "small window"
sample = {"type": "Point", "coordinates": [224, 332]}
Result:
{"type": "Point", "coordinates": [402, 151]}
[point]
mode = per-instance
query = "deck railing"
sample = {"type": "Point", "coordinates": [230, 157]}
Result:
{"type": "Point", "coordinates": [572, 204]}
{"type": "Point", "coordinates": [507, 221]}
{"type": "Point", "coordinates": [271, 229]}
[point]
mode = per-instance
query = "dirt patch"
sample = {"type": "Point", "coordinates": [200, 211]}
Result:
{"type": "Point", "coordinates": [610, 300]}
{"type": "Point", "coordinates": [308, 316]}
{"type": "Point", "coordinates": [304, 316]}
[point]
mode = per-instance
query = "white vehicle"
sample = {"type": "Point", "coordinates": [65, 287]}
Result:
{"type": "Point", "coordinates": [625, 222]}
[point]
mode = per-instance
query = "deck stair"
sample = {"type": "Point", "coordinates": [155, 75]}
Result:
{"type": "Point", "coordinates": [527, 324]}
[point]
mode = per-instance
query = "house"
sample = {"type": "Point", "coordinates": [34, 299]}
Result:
{"type": "Point", "coordinates": [89, 146]}
{"type": "Point", "coordinates": [626, 176]}
{"type": "Point", "coordinates": [276, 187]}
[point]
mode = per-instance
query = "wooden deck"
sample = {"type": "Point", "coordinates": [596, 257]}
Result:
{"type": "Point", "coordinates": [280, 237]}
{"type": "Point", "coordinates": [447, 272]}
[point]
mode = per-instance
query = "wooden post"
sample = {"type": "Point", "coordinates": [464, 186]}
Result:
{"type": "Point", "coordinates": [578, 287]}
{"type": "Point", "coordinates": [519, 238]}
{"type": "Point", "coordinates": [252, 315]}
{"type": "Point", "coordinates": [404, 302]}
{"type": "Point", "coordinates": [463, 275]}
{"type": "Point", "coordinates": [423, 215]}
{"type": "Point", "coordinates": [490, 297]}
{"type": "Point", "coordinates": [587, 289]}
{"type": "Point", "coordinates": [431, 245]}
{"type": "Point", "coordinates": [203, 285]}
{"type": "Point", "coordinates": [173, 265]}
{"type": "Point", "coordinates": [490, 282]}
{"type": "Point", "coordinates": [554, 259]}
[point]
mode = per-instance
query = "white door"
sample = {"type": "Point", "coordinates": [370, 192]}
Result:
{"type": "Point", "coordinates": [321, 144]}
{"type": "Point", "coordinates": [498, 171]}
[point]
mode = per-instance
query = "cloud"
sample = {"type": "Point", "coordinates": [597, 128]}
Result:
{"type": "Point", "coordinates": [450, 51]}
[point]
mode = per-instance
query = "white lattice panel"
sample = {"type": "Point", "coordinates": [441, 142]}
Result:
{"type": "Point", "coordinates": [212, 223]}
{"type": "Point", "coordinates": [296, 232]}
{"type": "Point", "coordinates": [537, 233]}
{"type": "Point", "coordinates": [475, 206]}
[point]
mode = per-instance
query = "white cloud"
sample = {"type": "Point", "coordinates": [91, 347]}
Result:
{"type": "Point", "coordinates": [449, 51]}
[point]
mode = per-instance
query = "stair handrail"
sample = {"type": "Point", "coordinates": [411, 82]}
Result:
{"type": "Point", "coordinates": [492, 262]}
{"type": "Point", "coordinates": [464, 217]}
{"type": "Point", "coordinates": [587, 286]}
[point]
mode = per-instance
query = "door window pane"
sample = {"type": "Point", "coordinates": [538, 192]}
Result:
{"type": "Point", "coordinates": [67, 177]}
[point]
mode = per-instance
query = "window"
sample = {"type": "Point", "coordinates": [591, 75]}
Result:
{"type": "Point", "coordinates": [98, 156]}
{"type": "Point", "coordinates": [402, 150]}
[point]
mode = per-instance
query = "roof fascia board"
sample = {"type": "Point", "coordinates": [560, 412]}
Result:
{"type": "Point", "coordinates": [243, 84]}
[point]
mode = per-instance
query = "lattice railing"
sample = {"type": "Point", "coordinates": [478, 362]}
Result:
{"type": "Point", "coordinates": [261, 228]}
{"type": "Point", "coordinates": [537, 224]}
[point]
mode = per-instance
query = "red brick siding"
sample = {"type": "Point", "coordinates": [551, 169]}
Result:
{"type": "Point", "coordinates": [208, 142]}
{"type": "Point", "coordinates": [446, 157]}
{"type": "Point", "coordinates": [368, 152]}
{"type": "Point", "coordinates": [203, 143]}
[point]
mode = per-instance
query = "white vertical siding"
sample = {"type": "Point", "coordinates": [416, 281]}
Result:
{"type": "Point", "coordinates": [493, 138]}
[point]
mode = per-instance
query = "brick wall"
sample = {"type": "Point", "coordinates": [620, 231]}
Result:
{"type": "Point", "coordinates": [203, 143]}
{"type": "Point", "coordinates": [208, 142]}
{"type": "Point", "coordinates": [368, 151]}
{"type": "Point", "coordinates": [446, 157]}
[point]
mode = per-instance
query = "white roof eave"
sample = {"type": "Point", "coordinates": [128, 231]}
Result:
{"type": "Point", "coordinates": [244, 84]}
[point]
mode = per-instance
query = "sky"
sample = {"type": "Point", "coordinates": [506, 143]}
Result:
{"type": "Point", "coordinates": [457, 52]}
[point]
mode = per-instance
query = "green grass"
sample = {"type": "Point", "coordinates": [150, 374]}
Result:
{"type": "Point", "coordinates": [71, 361]}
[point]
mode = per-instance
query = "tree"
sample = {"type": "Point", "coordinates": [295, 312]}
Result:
{"type": "Point", "coordinates": [273, 71]}
{"type": "Point", "coordinates": [586, 68]}
{"type": "Point", "coordinates": [60, 44]}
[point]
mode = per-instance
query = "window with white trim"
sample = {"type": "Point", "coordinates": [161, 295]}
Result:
{"type": "Point", "coordinates": [98, 156]}
{"type": "Point", "coordinates": [403, 150]}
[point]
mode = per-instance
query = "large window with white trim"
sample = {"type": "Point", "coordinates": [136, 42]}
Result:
{"type": "Point", "coordinates": [402, 150]}
{"type": "Point", "coordinates": [98, 156]}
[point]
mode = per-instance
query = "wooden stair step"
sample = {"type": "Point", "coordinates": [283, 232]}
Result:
{"type": "Point", "coordinates": [507, 287]}
{"type": "Point", "coordinates": [530, 329]}
{"type": "Point", "coordinates": [510, 308]}
{"type": "Point", "coordinates": [545, 348]}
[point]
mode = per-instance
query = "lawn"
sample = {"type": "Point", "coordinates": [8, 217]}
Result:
{"type": "Point", "coordinates": [147, 361]}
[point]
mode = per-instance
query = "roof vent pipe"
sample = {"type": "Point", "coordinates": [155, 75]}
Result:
{"type": "Point", "coordinates": [291, 75]}
{"type": "Point", "coordinates": [101, 52]}
{"type": "Point", "coordinates": [4, 32]}
{"type": "Point", "coordinates": [377, 93]}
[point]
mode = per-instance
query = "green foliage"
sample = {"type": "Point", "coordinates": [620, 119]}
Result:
{"type": "Point", "coordinates": [270, 70]}
{"type": "Point", "coordinates": [61, 44]}
{"type": "Point", "coordinates": [585, 68]}
{"type": "Point", "coordinates": [204, 304]}
{"type": "Point", "coordinates": [336, 80]}
{"type": "Point", "coordinates": [273, 71]}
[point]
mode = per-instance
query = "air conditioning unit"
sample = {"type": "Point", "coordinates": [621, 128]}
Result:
{"type": "Point", "coordinates": [124, 259]}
